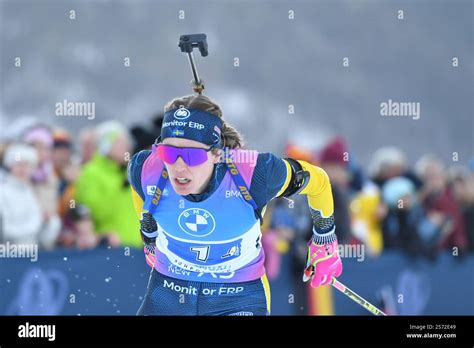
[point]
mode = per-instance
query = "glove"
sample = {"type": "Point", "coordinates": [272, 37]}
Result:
{"type": "Point", "coordinates": [149, 232]}
{"type": "Point", "coordinates": [322, 263]}
{"type": "Point", "coordinates": [150, 256]}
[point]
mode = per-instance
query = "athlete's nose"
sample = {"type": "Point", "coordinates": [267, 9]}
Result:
{"type": "Point", "coordinates": [180, 165]}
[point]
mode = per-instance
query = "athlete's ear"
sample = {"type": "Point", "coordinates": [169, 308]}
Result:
{"type": "Point", "coordinates": [216, 154]}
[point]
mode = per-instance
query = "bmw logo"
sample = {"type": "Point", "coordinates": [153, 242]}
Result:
{"type": "Point", "coordinates": [196, 222]}
{"type": "Point", "coordinates": [182, 114]}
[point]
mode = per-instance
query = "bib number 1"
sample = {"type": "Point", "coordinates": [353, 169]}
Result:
{"type": "Point", "coordinates": [202, 252]}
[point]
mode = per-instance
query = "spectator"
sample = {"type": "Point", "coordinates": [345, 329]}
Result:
{"type": "Point", "coordinates": [66, 167]}
{"type": "Point", "coordinates": [462, 185]}
{"type": "Point", "coordinates": [23, 221]}
{"type": "Point", "coordinates": [367, 214]}
{"type": "Point", "coordinates": [87, 144]}
{"type": "Point", "coordinates": [438, 201]}
{"type": "Point", "coordinates": [356, 174]}
{"type": "Point", "coordinates": [61, 156]}
{"type": "Point", "coordinates": [103, 187]}
{"type": "Point", "coordinates": [77, 225]}
{"type": "Point", "coordinates": [406, 225]}
{"type": "Point", "coordinates": [79, 230]}
{"type": "Point", "coordinates": [390, 162]}
{"type": "Point", "coordinates": [86, 238]}
{"type": "Point", "coordinates": [45, 181]}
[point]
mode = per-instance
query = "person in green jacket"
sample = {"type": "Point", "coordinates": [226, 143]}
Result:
{"type": "Point", "coordinates": [103, 187]}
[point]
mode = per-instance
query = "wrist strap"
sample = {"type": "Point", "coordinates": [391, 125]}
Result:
{"type": "Point", "coordinates": [326, 238]}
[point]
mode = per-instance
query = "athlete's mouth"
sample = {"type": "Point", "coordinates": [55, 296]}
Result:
{"type": "Point", "coordinates": [182, 181]}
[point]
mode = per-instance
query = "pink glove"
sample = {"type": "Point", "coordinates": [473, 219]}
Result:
{"type": "Point", "coordinates": [150, 256]}
{"type": "Point", "coordinates": [322, 263]}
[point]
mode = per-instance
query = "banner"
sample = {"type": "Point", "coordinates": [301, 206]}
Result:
{"type": "Point", "coordinates": [66, 282]}
{"type": "Point", "coordinates": [408, 286]}
{"type": "Point", "coordinates": [113, 282]}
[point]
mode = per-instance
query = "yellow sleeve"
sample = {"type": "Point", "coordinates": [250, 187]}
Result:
{"type": "Point", "coordinates": [137, 202]}
{"type": "Point", "coordinates": [318, 189]}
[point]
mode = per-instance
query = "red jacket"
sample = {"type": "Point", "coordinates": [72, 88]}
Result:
{"type": "Point", "coordinates": [445, 203]}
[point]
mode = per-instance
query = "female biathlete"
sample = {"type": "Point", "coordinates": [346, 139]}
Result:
{"type": "Point", "coordinates": [201, 198]}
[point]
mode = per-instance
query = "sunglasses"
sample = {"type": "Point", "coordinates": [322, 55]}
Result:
{"type": "Point", "coordinates": [192, 156]}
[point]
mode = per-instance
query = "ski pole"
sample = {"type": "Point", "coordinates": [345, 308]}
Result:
{"type": "Point", "coordinates": [356, 298]}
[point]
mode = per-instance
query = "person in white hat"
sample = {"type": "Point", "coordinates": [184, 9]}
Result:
{"type": "Point", "coordinates": [20, 212]}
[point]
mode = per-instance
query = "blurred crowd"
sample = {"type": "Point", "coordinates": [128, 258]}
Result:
{"type": "Point", "coordinates": [60, 189]}
{"type": "Point", "coordinates": [420, 210]}
{"type": "Point", "coordinates": [71, 190]}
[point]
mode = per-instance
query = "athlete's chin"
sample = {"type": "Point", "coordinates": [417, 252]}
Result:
{"type": "Point", "coordinates": [183, 191]}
